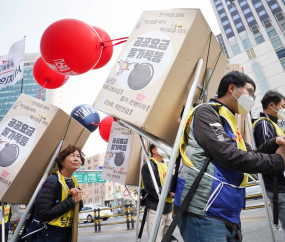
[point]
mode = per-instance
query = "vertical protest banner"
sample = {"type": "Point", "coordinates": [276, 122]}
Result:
{"type": "Point", "coordinates": [12, 65]}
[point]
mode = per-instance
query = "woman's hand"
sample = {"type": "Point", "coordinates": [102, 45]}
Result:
{"type": "Point", "coordinates": [76, 194]}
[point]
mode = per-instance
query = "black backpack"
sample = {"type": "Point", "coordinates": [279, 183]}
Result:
{"type": "Point", "coordinates": [33, 224]}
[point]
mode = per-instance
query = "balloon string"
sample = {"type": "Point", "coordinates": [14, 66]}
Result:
{"type": "Point", "coordinates": [124, 40]}
{"type": "Point", "coordinates": [43, 89]}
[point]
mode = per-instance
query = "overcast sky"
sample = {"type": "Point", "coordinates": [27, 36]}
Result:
{"type": "Point", "coordinates": [30, 18]}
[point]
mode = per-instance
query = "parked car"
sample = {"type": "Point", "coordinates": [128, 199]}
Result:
{"type": "Point", "coordinates": [87, 212]}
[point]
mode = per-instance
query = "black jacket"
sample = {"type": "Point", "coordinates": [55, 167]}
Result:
{"type": "Point", "coordinates": [218, 146]}
{"type": "Point", "coordinates": [51, 207]}
{"type": "Point", "coordinates": [150, 190]}
{"type": "Point", "coordinates": [264, 131]}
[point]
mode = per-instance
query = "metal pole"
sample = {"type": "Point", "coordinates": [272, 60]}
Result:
{"type": "Point", "coordinates": [207, 80]}
{"type": "Point", "coordinates": [139, 200]}
{"type": "Point", "coordinates": [30, 205]}
{"type": "Point", "coordinates": [171, 164]}
{"type": "Point", "coordinates": [261, 181]}
{"type": "Point", "coordinates": [3, 222]}
{"type": "Point", "coordinates": [167, 148]}
{"type": "Point", "coordinates": [150, 168]}
{"type": "Point", "coordinates": [115, 198]}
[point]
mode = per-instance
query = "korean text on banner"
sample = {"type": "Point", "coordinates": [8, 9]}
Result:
{"type": "Point", "coordinates": [11, 65]}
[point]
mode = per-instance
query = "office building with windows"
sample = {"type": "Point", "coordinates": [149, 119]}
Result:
{"type": "Point", "coordinates": [252, 35]}
{"type": "Point", "coordinates": [9, 94]}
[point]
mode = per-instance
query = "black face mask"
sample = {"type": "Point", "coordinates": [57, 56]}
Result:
{"type": "Point", "coordinates": [119, 158]}
{"type": "Point", "coordinates": [9, 154]}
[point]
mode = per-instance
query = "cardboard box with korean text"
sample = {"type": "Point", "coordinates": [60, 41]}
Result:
{"type": "Point", "coordinates": [29, 135]}
{"type": "Point", "coordinates": [150, 81]}
{"type": "Point", "coordinates": [123, 156]}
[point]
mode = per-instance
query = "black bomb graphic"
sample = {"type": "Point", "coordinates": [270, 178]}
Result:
{"type": "Point", "coordinates": [9, 154]}
{"type": "Point", "coordinates": [140, 76]}
{"type": "Point", "coordinates": [144, 60]}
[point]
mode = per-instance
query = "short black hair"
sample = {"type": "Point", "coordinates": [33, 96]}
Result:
{"type": "Point", "coordinates": [234, 77]}
{"type": "Point", "coordinates": [271, 96]}
{"type": "Point", "coordinates": [152, 146]}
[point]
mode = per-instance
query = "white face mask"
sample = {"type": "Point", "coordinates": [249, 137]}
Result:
{"type": "Point", "coordinates": [160, 152]}
{"type": "Point", "coordinates": [280, 113]}
{"type": "Point", "coordinates": [245, 103]}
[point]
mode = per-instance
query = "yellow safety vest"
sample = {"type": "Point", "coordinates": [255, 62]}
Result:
{"type": "Point", "coordinates": [230, 118]}
{"type": "Point", "coordinates": [279, 131]}
{"type": "Point", "coordinates": [6, 213]}
{"type": "Point", "coordinates": [162, 168]}
{"type": "Point", "coordinates": [66, 219]}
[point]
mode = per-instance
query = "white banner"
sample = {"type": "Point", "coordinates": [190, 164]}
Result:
{"type": "Point", "coordinates": [12, 65]}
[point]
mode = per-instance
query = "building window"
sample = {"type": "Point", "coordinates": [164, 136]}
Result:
{"type": "Point", "coordinates": [246, 11]}
{"type": "Point", "coordinates": [242, 3]}
{"type": "Point", "coordinates": [261, 13]}
{"type": "Point", "coordinates": [257, 5]}
{"type": "Point", "coordinates": [232, 9]}
{"type": "Point", "coordinates": [280, 20]}
{"type": "Point", "coordinates": [276, 42]}
{"type": "Point", "coordinates": [222, 15]}
{"type": "Point", "coordinates": [246, 44]}
{"type": "Point", "coordinates": [251, 53]}
{"type": "Point", "coordinates": [225, 22]}
{"type": "Point", "coordinates": [235, 17]}
{"type": "Point", "coordinates": [280, 52]}
{"type": "Point", "coordinates": [238, 25]}
{"type": "Point", "coordinates": [89, 167]}
{"type": "Point", "coordinates": [274, 6]}
{"type": "Point", "coordinates": [220, 7]}
{"type": "Point", "coordinates": [89, 161]}
{"type": "Point", "coordinates": [271, 32]}
{"type": "Point", "coordinates": [256, 34]}
{"type": "Point", "coordinates": [228, 30]}
{"type": "Point", "coordinates": [217, 2]}
{"type": "Point", "coordinates": [250, 19]}
{"type": "Point", "coordinates": [235, 49]}
{"type": "Point", "coordinates": [283, 63]}
{"type": "Point", "coordinates": [260, 77]}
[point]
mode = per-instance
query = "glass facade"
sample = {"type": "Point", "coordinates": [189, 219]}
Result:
{"type": "Point", "coordinates": [260, 78]}
{"type": "Point", "coordinates": [8, 95]}
{"type": "Point", "coordinates": [222, 44]}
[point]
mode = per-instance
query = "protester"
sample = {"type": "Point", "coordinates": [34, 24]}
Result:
{"type": "Point", "coordinates": [7, 217]}
{"type": "Point", "coordinates": [266, 128]}
{"type": "Point", "coordinates": [159, 168]}
{"type": "Point", "coordinates": [211, 134]}
{"type": "Point", "coordinates": [57, 200]}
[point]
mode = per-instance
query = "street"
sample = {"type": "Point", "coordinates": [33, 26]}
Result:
{"type": "Point", "coordinates": [255, 228]}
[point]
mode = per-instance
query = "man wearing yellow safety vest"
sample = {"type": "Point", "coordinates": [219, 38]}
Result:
{"type": "Point", "coordinates": [7, 216]}
{"type": "Point", "coordinates": [211, 134]}
{"type": "Point", "coordinates": [266, 128]}
{"type": "Point", "coordinates": [159, 168]}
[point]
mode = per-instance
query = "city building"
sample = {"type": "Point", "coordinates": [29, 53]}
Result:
{"type": "Point", "coordinates": [252, 35]}
{"type": "Point", "coordinates": [102, 193]}
{"type": "Point", "coordinates": [9, 94]}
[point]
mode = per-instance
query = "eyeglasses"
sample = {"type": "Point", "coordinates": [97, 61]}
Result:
{"type": "Point", "coordinates": [250, 92]}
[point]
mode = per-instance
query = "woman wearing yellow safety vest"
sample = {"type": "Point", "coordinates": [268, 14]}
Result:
{"type": "Point", "coordinates": [58, 197]}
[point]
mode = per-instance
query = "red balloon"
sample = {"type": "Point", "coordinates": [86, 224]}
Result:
{"type": "Point", "coordinates": [105, 127]}
{"type": "Point", "coordinates": [43, 73]}
{"type": "Point", "coordinates": [71, 47]}
{"type": "Point", "coordinates": [107, 49]}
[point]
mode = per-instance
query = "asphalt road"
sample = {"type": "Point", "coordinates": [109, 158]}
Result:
{"type": "Point", "coordinates": [255, 228]}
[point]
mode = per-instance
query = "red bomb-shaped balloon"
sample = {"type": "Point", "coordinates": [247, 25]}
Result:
{"type": "Point", "coordinates": [71, 47]}
{"type": "Point", "coordinates": [105, 127]}
{"type": "Point", "coordinates": [107, 48]}
{"type": "Point", "coordinates": [46, 77]}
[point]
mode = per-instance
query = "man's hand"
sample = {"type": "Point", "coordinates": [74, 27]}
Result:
{"type": "Point", "coordinates": [172, 194]}
{"type": "Point", "coordinates": [280, 140]}
{"type": "Point", "coordinates": [281, 151]}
